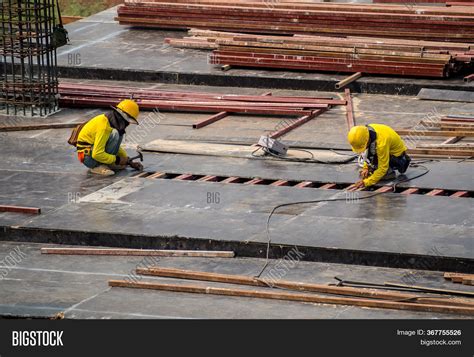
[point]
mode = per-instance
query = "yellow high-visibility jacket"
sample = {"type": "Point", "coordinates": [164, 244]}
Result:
{"type": "Point", "coordinates": [96, 132]}
{"type": "Point", "coordinates": [388, 143]}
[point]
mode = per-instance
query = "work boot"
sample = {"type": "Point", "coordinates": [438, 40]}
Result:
{"type": "Point", "coordinates": [117, 167]}
{"type": "Point", "coordinates": [103, 170]}
{"type": "Point", "coordinates": [406, 164]}
{"type": "Point", "coordinates": [390, 175]}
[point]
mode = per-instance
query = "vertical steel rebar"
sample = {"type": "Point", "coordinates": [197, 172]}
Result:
{"type": "Point", "coordinates": [28, 69]}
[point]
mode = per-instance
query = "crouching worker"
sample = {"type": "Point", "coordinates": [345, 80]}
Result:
{"type": "Point", "coordinates": [98, 141]}
{"type": "Point", "coordinates": [385, 152]}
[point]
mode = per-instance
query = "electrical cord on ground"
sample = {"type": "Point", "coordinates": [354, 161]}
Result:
{"type": "Point", "coordinates": [394, 186]}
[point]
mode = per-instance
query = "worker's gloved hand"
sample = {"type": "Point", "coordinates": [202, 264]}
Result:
{"type": "Point", "coordinates": [136, 165]}
{"type": "Point", "coordinates": [357, 185]}
{"type": "Point", "coordinates": [123, 160]}
{"type": "Point", "coordinates": [364, 173]}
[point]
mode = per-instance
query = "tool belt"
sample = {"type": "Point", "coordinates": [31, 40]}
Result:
{"type": "Point", "coordinates": [83, 149]}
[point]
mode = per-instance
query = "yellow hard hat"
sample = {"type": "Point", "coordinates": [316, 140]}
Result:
{"type": "Point", "coordinates": [130, 108]}
{"type": "Point", "coordinates": [358, 137]}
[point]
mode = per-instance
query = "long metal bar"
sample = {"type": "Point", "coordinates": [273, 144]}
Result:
{"type": "Point", "coordinates": [19, 209]}
{"type": "Point", "coordinates": [297, 123]}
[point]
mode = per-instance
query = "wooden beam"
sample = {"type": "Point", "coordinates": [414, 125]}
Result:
{"type": "Point", "coordinates": [278, 295]}
{"type": "Point", "coordinates": [435, 193]}
{"type": "Point", "coordinates": [19, 209]}
{"type": "Point", "coordinates": [38, 127]}
{"type": "Point", "coordinates": [348, 80]}
{"type": "Point", "coordinates": [139, 252]}
{"type": "Point", "coordinates": [305, 184]}
{"type": "Point", "coordinates": [460, 194]}
{"type": "Point", "coordinates": [421, 133]}
{"type": "Point", "coordinates": [296, 286]}
{"type": "Point", "coordinates": [411, 191]}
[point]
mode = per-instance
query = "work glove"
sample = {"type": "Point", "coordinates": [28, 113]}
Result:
{"type": "Point", "coordinates": [123, 160]}
{"type": "Point", "coordinates": [364, 173]}
{"type": "Point", "coordinates": [136, 165]}
{"type": "Point", "coordinates": [357, 185]}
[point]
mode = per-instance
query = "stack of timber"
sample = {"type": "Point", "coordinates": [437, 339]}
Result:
{"type": "Point", "coordinates": [454, 129]}
{"type": "Point", "coordinates": [394, 21]}
{"type": "Point", "coordinates": [93, 96]}
{"type": "Point", "coordinates": [340, 54]}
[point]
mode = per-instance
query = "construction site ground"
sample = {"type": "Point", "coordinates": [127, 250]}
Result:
{"type": "Point", "coordinates": [102, 49]}
{"type": "Point", "coordinates": [391, 237]}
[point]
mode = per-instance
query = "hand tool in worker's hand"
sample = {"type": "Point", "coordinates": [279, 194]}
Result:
{"type": "Point", "coordinates": [136, 165]}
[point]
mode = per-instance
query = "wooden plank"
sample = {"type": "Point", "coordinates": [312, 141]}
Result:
{"type": "Point", "coordinates": [422, 133]}
{"type": "Point", "coordinates": [38, 127]}
{"type": "Point", "coordinates": [411, 191]}
{"type": "Point", "coordinates": [139, 252]}
{"type": "Point", "coordinates": [233, 179]}
{"type": "Point", "coordinates": [348, 80]}
{"type": "Point", "coordinates": [446, 95]}
{"type": "Point", "coordinates": [305, 184]}
{"type": "Point", "coordinates": [435, 193]}
{"type": "Point", "coordinates": [157, 175]}
{"type": "Point", "coordinates": [385, 189]}
{"type": "Point", "coordinates": [209, 178]}
{"type": "Point", "coordinates": [280, 183]}
{"type": "Point", "coordinates": [19, 209]}
{"type": "Point", "coordinates": [442, 152]}
{"type": "Point", "coordinates": [450, 276]}
{"type": "Point", "coordinates": [328, 186]}
{"type": "Point", "coordinates": [294, 285]}
{"type": "Point", "coordinates": [460, 194]}
{"type": "Point", "coordinates": [312, 298]}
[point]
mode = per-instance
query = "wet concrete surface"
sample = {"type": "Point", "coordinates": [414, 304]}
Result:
{"type": "Point", "coordinates": [42, 286]}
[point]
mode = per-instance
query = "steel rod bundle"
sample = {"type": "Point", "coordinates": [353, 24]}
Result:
{"type": "Point", "coordinates": [104, 96]}
{"type": "Point", "coordinates": [407, 22]}
{"type": "Point", "coordinates": [341, 54]}
{"type": "Point", "coordinates": [28, 58]}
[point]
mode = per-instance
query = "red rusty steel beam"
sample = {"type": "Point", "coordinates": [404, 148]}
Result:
{"type": "Point", "coordinates": [349, 109]}
{"type": "Point", "coordinates": [280, 183]}
{"type": "Point", "coordinates": [19, 209]}
{"type": "Point", "coordinates": [305, 184]}
{"type": "Point", "coordinates": [435, 192]}
{"type": "Point", "coordinates": [87, 102]}
{"type": "Point", "coordinates": [297, 123]}
{"type": "Point", "coordinates": [221, 115]}
{"type": "Point", "coordinates": [212, 119]}
{"type": "Point", "coordinates": [411, 191]}
{"type": "Point", "coordinates": [470, 77]}
{"type": "Point", "coordinates": [460, 194]}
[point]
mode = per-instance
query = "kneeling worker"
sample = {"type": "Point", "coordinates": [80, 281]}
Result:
{"type": "Point", "coordinates": [385, 152]}
{"type": "Point", "coordinates": [98, 142]}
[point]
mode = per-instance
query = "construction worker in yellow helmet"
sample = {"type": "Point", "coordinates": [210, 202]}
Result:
{"type": "Point", "coordinates": [383, 150]}
{"type": "Point", "coordinates": [99, 140]}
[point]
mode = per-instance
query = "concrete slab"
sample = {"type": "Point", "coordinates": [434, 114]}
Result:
{"type": "Point", "coordinates": [390, 230]}
{"type": "Point", "coordinates": [102, 49]}
{"type": "Point", "coordinates": [43, 285]}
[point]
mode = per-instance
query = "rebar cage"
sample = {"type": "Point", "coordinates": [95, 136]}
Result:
{"type": "Point", "coordinates": [28, 70]}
